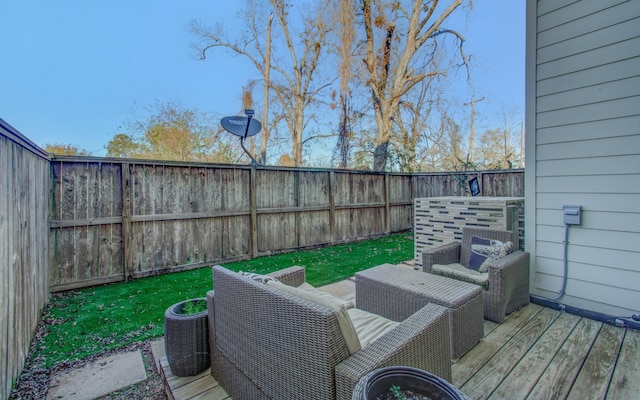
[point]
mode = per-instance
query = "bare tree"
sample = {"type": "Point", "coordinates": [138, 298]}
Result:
{"type": "Point", "coordinates": [500, 148]}
{"type": "Point", "coordinates": [472, 127]}
{"type": "Point", "coordinates": [266, 133]}
{"type": "Point", "coordinates": [401, 39]}
{"type": "Point", "coordinates": [412, 122]}
{"type": "Point", "coordinates": [346, 26]}
{"type": "Point", "coordinates": [494, 149]}
{"type": "Point", "coordinates": [293, 62]}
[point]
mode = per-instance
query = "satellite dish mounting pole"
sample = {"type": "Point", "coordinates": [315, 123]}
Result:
{"type": "Point", "coordinates": [249, 113]}
{"type": "Point", "coordinates": [249, 116]}
{"type": "Point", "coordinates": [243, 128]}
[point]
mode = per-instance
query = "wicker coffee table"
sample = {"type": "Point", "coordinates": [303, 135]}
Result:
{"type": "Point", "coordinates": [406, 291]}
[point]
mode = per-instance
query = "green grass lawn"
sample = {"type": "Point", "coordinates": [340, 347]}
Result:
{"type": "Point", "coordinates": [85, 322]}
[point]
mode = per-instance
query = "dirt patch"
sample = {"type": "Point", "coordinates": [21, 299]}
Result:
{"type": "Point", "coordinates": [33, 383]}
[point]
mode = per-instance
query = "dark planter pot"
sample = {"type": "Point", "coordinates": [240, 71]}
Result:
{"type": "Point", "coordinates": [379, 381]}
{"type": "Point", "coordinates": [186, 340]}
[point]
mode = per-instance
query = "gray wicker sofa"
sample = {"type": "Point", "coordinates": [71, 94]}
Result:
{"type": "Point", "coordinates": [267, 343]}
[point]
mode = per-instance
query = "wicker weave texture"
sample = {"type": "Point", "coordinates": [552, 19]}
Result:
{"type": "Point", "coordinates": [440, 220]}
{"type": "Point", "coordinates": [186, 341]}
{"type": "Point", "coordinates": [273, 345]}
{"type": "Point", "coordinates": [287, 346]}
{"type": "Point", "coordinates": [235, 383]}
{"type": "Point", "coordinates": [377, 382]}
{"type": "Point", "coordinates": [508, 278]}
{"type": "Point", "coordinates": [395, 292]}
{"type": "Point", "coordinates": [421, 341]}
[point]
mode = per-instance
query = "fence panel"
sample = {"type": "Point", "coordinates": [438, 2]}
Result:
{"type": "Point", "coordinates": [314, 223]}
{"type": "Point", "coordinates": [400, 203]}
{"type": "Point", "coordinates": [122, 219]}
{"type": "Point", "coordinates": [86, 228]}
{"type": "Point", "coordinates": [440, 184]}
{"type": "Point", "coordinates": [276, 191]}
{"type": "Point", "coordinates": [501, 184]}
{"type": "Point", "coordinates": [24, 249]}
{"type": "Point", "coordinates": [359, 202]}
{"type": "Point", "coordinates": [185, 215]}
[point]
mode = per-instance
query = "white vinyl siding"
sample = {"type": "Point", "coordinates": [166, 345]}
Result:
{"type": "Point", "coordinates": [586, 116]}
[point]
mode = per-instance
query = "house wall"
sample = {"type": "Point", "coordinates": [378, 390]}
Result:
{"type": "Point", "coordinates": [583, 148]}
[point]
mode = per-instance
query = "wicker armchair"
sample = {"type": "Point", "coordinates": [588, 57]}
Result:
{"type": "Point", "coordinates": [269, 344]}
{"type": "Point", "coordinates": [507, 280]}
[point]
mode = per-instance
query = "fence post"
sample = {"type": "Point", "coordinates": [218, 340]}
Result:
{"type": "Point", "coordinates": [296, 199]}
{"type": "Point", "coordinates": [332, 206]}
{"type": "Point", "coordinates": [253, 205]}
{"type": "Point", "coordinates": [387, 208]}
{"type": "Point", "coordinates": [126, 221]}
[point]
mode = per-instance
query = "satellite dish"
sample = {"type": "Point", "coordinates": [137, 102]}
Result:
{"type": "Point", "coordinates": [238, 126]}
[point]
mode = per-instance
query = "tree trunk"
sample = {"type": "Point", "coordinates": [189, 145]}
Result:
{"type": "Point", "coordinates": [380, 156]}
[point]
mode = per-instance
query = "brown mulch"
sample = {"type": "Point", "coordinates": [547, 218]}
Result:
{"type": "Point", "coordinates": [33, 383]}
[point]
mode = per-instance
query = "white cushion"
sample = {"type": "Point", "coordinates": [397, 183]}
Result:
{"type": "Point", "coordinates": [305, 286]}
{"type": "Point", "coordinates": [257, 277]}
{"type": "Point", "coordinates": [331, 302]}
{"type": "Point", "coordinates": [368, 326]}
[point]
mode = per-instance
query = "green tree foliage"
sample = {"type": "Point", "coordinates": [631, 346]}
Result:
{"type": "Point", "coordinates": [173, 132]}
{"type": "Point", "coordinates": [122, 146]}
{"type": "Point", "coordinates": [60, 149]}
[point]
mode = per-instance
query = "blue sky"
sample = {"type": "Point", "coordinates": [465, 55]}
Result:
{"type": "Point", "coordinates": [73, 71]}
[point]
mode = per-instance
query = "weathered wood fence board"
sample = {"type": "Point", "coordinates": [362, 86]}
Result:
{"type": "Point", "coordinates": [24, 249]}
{"type": "Point", "coordinates": [86, 239]}
{"type": "Point", "coordinates": [183, 216]}
{"type": "Point", "coordinates": [123, 219]}
{"type": "Point", "coordinates": [400, 204]}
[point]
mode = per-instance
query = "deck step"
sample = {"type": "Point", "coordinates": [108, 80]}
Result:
{"type": "Point", "coordinates": [201, 386]}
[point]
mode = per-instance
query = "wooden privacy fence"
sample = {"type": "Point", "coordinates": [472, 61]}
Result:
{"type": "Point", "coordinates": [114, 219]}
{"type": "Point", "coordinates": [24, 249]}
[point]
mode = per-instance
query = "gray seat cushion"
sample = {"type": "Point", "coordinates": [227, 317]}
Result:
{"type": "Point", "coordinates": [462, 273]}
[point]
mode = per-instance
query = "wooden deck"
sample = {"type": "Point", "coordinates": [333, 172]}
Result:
{"type": "Point", "coordinates": [537, 353]}
{"type": "Point", "coordinates": [540, 353]}
{"type": "Point", "coordinates": [201, 386]}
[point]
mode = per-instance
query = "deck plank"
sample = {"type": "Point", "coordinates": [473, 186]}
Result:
{"type": "Point", "coordinates": [484, 382]}
{"type": "Point", "coordinates": [205, 384]}
{"type": "Point", "coordinates": [201, 386]}
{"type": "Point", "coordinates": [560, 374]}
{"type": "Point", "coordinates": [595, 375]}
{"type": "Point", "coordinates": [178, 381]}
{"type": "Point", "coordinates": [489, 326]}
{"type": "Point", "coordinates": [475, 358]}
{"type": "Point", "coordinates": [216, 393]}
{"type": "Point", "coordinates": [624, 383]}
{"type": "Point", "coordinates": [524, 376]}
